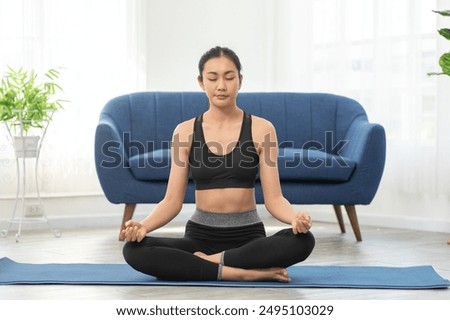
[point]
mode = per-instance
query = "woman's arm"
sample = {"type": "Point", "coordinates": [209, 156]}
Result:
{"type": "Point", "coordinates": [169, 207]}
{"type": "Point", "coordinates": [277, 205]}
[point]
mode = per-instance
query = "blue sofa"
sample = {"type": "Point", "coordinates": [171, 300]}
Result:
{"type": "Point", "coordinates": [329, 153]}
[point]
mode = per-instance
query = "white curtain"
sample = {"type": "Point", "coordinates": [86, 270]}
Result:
{"type": "Point", "coordinates": [375, 51]}
{"type": "Point", "coordinates": [98, 46]}
{"type": "Point", "coordinates": [379, 52]}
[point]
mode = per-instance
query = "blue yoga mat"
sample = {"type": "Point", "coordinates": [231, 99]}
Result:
{"type": "Point", "coordinates": [417, 277]}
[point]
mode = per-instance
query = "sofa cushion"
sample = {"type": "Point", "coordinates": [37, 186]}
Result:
{"type": "Point", "coordinates": [313, 165]}
{"type": "Point", "coordinates": [154, 165]}
{"type": "Point", "coordinates": [293, 164]}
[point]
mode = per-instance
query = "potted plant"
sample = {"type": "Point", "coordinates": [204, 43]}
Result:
{"type": "Point", "coordinates": [26, 103]}
{"type": "Point", "coordinates": [444, 60]}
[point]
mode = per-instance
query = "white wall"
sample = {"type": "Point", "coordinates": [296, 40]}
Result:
{"type": "Point", "coordinates": [179, 32]}
{"type": "Point", "coordinates": [263, 33]}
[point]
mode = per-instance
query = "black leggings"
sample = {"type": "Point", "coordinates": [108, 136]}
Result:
{"type": "Point", "coordinates": [244, 247]}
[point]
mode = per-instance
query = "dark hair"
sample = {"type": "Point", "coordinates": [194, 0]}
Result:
{"type": "Point", "coordinates": [217, 52]}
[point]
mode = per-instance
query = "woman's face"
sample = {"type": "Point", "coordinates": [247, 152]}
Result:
{"type": "Point", "coordinates": [221, 81]}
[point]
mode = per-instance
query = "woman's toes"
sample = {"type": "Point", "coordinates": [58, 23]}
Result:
{"type": "Point", "coordinates": [199, 254]}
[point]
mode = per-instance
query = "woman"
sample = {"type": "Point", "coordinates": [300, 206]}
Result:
{"type": "Point", "coordinates": [224, 149]}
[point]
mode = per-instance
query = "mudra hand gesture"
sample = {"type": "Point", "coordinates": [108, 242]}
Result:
{"type": "Point", "coordinates": [134, 231]}
{"type": "Point", "coordinates": [301, 223]}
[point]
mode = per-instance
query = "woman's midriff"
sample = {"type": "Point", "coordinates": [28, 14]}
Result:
{"type": "Point", "coordinates": [226, 199]}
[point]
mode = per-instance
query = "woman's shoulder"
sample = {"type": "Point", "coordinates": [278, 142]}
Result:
{"type": "Point", "coordinates": [185, 127]}
{"type": "Point", "coordinates": [262, 125]}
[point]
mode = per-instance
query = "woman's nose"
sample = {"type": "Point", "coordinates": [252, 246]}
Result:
{"type": "Point", "coordinates": [221, 84]}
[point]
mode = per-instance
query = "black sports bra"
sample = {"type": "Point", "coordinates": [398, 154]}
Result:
{"type": "Point", "coordinates": [236, 169]}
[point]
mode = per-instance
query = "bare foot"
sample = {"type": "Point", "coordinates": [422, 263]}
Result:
{"type": "Point", "coordinates": [269, 274]}
{"type": "Point", "coordinates": [200, 254]}
{"type": "Point", "coordinates": [213, 258]}
{"type": "Point", "coordinates": [239, 274]}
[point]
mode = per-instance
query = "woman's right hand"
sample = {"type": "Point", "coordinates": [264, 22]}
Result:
{"type": "Point", "coordinates": [134, 231]}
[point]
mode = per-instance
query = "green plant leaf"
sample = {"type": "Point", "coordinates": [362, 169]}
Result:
{"type": "Point", "coordinates": [52, 74]}
{"type": "Point", "coordinates": [445, 33]}
{"type": "Point", "coordinates": [444, 62]}
{"type": "Point", "coordinates": [26, 101]}
{"type": "Point", "coordinates": [445, 13]}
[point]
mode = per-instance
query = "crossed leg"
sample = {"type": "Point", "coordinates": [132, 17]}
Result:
{"type": "Point", "coordinates": [263, 259]}
{"type": "Point", "coordinates": [241, 274]}
{"type": "Point", "coordinates": [175, 259]}
{"type": "Point", "coordinates": [259, 256]}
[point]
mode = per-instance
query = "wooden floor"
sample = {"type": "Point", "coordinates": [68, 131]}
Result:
{"type": "Point", "coordinates": [380, 246]}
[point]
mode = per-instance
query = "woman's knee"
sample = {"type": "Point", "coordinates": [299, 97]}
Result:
{"type": "Point", "coordinates": [131, 253]}
{"type": "Point", "coordinates": [305, 245]}
{"type": "Point", "coordinates": [309, 242]}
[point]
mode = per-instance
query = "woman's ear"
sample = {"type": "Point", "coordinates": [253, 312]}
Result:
{"type": "Point", "coordinates": [200, 82]}
{"type": "Point", "coordinates": [240, 80]}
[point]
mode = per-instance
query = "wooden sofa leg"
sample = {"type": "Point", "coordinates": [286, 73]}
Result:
{"type": "Point", "coordinates": [127, 215]}
{"type": "Point", "coordinates": [338, 211]}
{"type": "Point", "coordinates": [351, 212]}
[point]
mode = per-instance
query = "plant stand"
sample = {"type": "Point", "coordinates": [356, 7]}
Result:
{"type": "Point", "coordinates": [26, 211]}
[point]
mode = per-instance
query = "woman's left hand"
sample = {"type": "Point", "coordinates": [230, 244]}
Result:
{"type": "Point", "coordinates": [301, 223]}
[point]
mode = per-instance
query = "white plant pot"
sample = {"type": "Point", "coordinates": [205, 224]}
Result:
{"type": "Point", "coordinates": [26, 146]}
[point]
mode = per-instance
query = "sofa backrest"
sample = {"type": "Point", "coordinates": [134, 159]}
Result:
{"type": "Point", "coordinates": [302, 119]}
{"type": "Point", "coordinates": [299, 118]}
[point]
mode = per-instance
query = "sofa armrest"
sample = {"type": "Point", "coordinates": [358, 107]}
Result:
{"type": "Point", "coordinates": [366, 145]}
{"type": "Point", "coordinates": [111, 160]}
